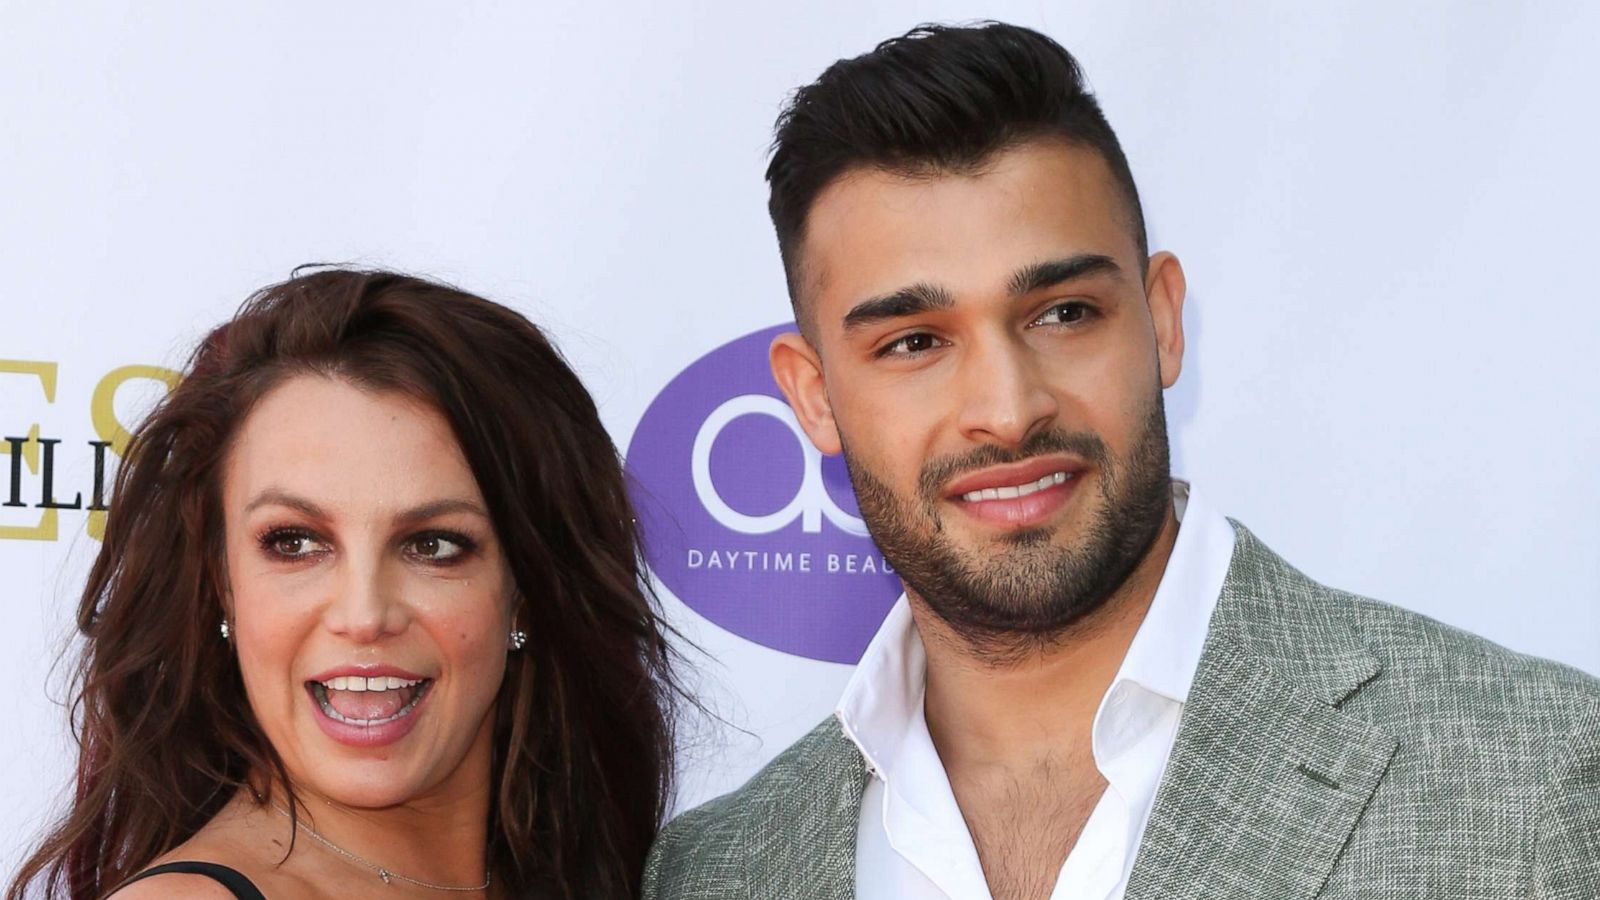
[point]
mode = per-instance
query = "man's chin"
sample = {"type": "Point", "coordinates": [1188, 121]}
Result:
{"type": "Point", "coordinates": [983, 546]}
{"type": "Point", "coordinates": [1030, 586]}
{"type": "Point", "coordinates": [1001, 620]}
{"type": "Point", "coordinates": [1028, 538]}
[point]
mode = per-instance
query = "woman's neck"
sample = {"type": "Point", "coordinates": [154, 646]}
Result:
{"type": "Point", "coordinates": [439, 836]}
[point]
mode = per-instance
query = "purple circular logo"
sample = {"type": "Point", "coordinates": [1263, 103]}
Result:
{"type": "Point", "coordinates": [745, 521]}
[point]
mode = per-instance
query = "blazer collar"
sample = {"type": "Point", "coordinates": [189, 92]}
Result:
{"type": "Point", "coordinates": [1297, 629]}
{"type": "Point", "coordinates": [1267, 776]}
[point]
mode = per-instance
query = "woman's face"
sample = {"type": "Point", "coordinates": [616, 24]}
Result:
{"type": "Point", "coordinates": [370, 601]}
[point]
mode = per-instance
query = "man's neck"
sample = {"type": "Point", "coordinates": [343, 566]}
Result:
{"type": "Point", "coordinates": [1015, 710]}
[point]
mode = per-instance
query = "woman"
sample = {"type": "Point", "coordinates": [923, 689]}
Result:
{"type": "Point", "coordinates": [367, 620]}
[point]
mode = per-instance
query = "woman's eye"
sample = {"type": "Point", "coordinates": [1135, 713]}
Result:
{"type": "Point", "coordinates": [439, 547]}
{"type": "Point", "coordinates": [910, 345]}
{"type": "Point", "coordinates": [292, 544]}
{"type": "Point", "coordinates": [1064, 314]}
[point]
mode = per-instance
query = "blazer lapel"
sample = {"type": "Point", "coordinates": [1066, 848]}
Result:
{"type": "Point", "coordinates": [806, 837]}
{"type": "Point", "coordinates": [1267, 777]}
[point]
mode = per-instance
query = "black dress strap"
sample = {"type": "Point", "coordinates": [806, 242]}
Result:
{"type": "Point", "coordinates": [231, 879]}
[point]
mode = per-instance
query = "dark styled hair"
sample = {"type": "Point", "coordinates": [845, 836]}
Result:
{"type": "Point", "coordinates": [938, 99]}
{"type": "Point", "coordinates": [583, 720]}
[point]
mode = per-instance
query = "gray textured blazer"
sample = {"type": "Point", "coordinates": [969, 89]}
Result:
{"type": "Point", "coordinates": [1332, 746]}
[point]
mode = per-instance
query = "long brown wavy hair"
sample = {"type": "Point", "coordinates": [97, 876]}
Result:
{"type": "Point", "coordinates": [583, 720]}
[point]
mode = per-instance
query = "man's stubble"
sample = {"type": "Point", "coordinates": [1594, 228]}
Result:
{"type": "Point", "coordinates": [1024, 590]}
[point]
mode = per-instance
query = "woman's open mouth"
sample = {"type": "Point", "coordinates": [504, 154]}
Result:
{"type": "Point", "coordinates": [367, 710]}
{"type": "Point", "coordinates": [367, 702]}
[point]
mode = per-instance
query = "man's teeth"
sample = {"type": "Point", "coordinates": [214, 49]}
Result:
{"type": "Point", "coordinates": [375, 683]}
{"type": "Point", "coordinates": [1011, 492]}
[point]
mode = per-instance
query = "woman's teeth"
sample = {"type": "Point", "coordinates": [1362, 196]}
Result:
{"type": "Point", "coordinates": [368, 702]}
{"type": "Point", "coordinates": [1011, 492]}
{"type": "Point", "coordinates": [376, 683]}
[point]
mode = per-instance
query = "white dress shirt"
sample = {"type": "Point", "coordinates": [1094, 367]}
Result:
{"type": "Point", "coordinates": [913, 842]}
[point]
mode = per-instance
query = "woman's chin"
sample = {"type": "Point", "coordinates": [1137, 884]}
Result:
{"type": "Point", "coordinates": [364, 785]}
{"type": "Point", "coordinates": [387, 770]}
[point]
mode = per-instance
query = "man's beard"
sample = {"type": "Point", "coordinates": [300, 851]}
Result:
{"type": "Point", "coordinates": [1027, 592]}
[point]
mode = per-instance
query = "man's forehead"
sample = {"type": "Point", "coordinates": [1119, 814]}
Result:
{"type": "Point", "coordinates": [874, 229]}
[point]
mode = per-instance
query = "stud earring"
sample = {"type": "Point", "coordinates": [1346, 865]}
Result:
{"type": "Point", "coordinates": [226, 631]}
{"type": "Point", "coordinates": [517, 640]}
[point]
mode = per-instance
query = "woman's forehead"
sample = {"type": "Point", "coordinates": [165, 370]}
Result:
{"type": "Point", "coordinates": [332, 441]}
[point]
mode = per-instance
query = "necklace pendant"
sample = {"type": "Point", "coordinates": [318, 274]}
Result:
{"type": "Point", "coordinates": [384, 874]}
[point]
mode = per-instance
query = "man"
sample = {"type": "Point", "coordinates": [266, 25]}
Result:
{"type": "Point", "coordinates": [1095, 685]}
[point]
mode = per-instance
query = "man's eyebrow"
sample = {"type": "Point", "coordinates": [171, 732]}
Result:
{"type": "Point", "coordinates": [908, 301]}
{"type": "Point", "coordinates": [1050, 273]}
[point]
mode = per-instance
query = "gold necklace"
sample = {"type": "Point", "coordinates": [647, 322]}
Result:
{"type": "Point", "coordinates": [382, 872]}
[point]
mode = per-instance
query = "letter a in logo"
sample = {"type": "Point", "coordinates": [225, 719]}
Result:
{"type": "Point", "coordinates": [720, 471]}
{"type": "Point", "coordinates": [810, 504]}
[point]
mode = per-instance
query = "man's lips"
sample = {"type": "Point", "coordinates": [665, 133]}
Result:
{"type": "Point", "coordinates": [1026, 494]}
{"type": "Point", "coordinates": [1009, 481]}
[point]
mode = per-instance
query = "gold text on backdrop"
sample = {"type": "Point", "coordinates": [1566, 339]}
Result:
{"type": "Point", "coordinates": [38, 453]}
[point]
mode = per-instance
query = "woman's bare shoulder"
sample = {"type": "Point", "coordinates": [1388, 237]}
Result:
{"type": "Point", "coordinates": [178, 885]}
{"type": "Point", "coordinates": [221, 844]}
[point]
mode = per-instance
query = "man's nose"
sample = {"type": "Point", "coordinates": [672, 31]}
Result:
{"type": "Point", "coordinates": [1005, 396]}
{"type": "Point", "coordinates": [366, 605]}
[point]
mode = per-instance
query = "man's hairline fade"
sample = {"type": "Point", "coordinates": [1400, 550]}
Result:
{"type": "Point", "coordinates": [804, 282]}
{"type": "Point", "coordinates": [938, 100]}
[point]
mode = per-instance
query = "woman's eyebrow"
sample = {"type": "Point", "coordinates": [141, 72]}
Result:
{"type": "Point", "coordinates": [280, 497]}
{"type": "Point", "coordinates": [442, 507]}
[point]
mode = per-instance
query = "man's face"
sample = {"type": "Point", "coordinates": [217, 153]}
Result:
{"type": "Point", "coordinates": [989, 356]}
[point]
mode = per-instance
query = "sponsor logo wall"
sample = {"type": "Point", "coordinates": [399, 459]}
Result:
{"type": "Point", "coordinates": [744, 521]}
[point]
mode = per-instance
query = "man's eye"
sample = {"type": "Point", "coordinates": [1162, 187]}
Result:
{"type": "Point", "coordinates": [1065, 314]}
{"type": "Point", "coordinates": [292, 544]}
{"type": "Point", "coordinates": [910, 345]}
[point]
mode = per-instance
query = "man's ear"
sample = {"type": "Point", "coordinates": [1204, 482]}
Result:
{"type": "Point", "coordinates": [797, 368]}
{"type": "Point", "coordinates": [1164, 288]}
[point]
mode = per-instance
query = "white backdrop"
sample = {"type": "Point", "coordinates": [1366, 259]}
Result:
{"type": "Point", "coordinates": [1385, 211]}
